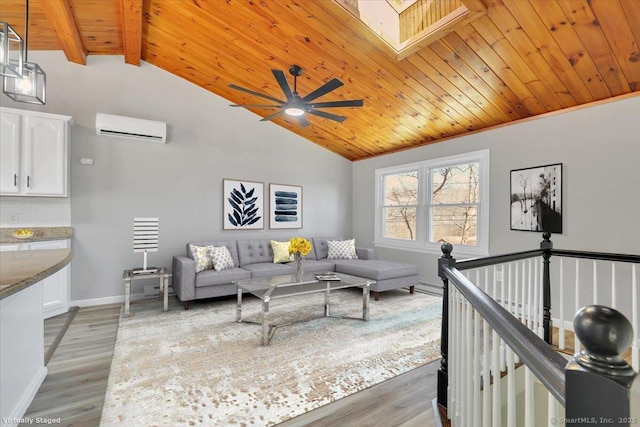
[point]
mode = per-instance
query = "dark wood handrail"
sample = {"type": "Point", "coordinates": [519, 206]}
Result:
{"type": "Point", "coordinates": [497, 259]}
{"type": "Point", "coordinates": [597, 255]}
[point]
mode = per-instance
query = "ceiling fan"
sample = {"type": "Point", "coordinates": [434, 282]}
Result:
{"type": "Point", "coordinates": [298, 106]}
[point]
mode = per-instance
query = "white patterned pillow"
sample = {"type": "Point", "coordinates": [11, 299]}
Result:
{"type": "Point", "coordinates": [281, 252]}
{"type": "Point", "coordinates": [201, 257]}
{"type": "Point", "coordinates": [342, 249]}
{"type": "Point", "coordinates": [221, 258]}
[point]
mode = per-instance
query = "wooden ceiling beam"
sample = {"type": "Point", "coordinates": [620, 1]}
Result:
{"type": "Point", "coordinates": [60, 16]}
{"type": "Point", "coordinates": [132, 30]}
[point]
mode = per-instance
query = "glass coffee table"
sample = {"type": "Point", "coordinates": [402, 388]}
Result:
{"type": "Point", "coordinates": [278, 287]}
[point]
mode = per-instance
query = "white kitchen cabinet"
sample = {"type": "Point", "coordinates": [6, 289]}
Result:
{"type": "Point", "coordinates": [56, 289]}
{"type": "Point", "coordinates": [35, 153]}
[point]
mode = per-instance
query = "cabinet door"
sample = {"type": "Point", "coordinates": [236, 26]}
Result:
{"type": "Point", "coordinates": [10, 153]}
{"type": "Point", "coordinates": [55, 288]}
{"type": "Point", "coordinates": [45, 157]}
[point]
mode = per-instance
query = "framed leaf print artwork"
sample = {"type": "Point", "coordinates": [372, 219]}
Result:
{"type": "Point", "coordinates": [243, 205]}
{"type": "Point", "coordinates": [285, 204]}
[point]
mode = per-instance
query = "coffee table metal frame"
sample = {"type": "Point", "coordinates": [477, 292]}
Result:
{"type": "Point", "coordinates": [271, 288]}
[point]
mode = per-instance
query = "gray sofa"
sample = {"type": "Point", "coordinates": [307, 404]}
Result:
{"type": "Point", "coordinates": [254, 258]}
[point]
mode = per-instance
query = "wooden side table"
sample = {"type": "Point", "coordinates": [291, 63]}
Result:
{"type": "Point", "coordinates": [161, 274]}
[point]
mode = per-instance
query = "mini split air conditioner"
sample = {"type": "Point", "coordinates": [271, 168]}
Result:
{"type": "Point", "coordinates": [129, 127]}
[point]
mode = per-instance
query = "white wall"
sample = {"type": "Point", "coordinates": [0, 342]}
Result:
{"type": "Point", "coordinates": [599, 148]}
{"type": "Point", "coordinates": [180, 182]}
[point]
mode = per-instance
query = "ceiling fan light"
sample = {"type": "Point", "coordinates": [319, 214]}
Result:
{"type": "Point", "coordinates": [11, 48]}
{"type": "Point", "coordinates": [31, 88]}
{"type": "Point", "coordinates": [294, 111]}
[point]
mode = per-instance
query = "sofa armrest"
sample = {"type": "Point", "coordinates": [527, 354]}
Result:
{"type": "Point", "coordinates": [364, 253]}
{"type": "Point", "coordinates": [184, 278]}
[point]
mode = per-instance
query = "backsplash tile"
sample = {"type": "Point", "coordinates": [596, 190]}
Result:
{"type": "Point", "coordinates": [35, 211]}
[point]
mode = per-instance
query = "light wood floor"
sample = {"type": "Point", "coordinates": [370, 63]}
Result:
{"type": "Point", "coordinates": [75, 386]}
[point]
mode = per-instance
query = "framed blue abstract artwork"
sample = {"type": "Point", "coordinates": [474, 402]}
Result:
{"type": "Point", "coordinates": [243, 205]}
{"type": "Point", "coordinates": [285, 203]}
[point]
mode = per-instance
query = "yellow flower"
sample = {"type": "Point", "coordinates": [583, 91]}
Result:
{"type": "Point", "coordinates": [299, 245]}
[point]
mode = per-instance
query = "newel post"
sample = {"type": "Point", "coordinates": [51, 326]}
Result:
{"type": "Point", "coordinates": [546, 245]}
{"type": "Point", "coordinates": [598, 380]}
{"type": "Point", "coordinates": [443, 381]}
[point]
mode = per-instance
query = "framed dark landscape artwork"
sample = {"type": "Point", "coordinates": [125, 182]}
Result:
{"type": "Point", "coordinates": [285, 203]}
{"type": "Point", "coordinates": [243, 205]}
{"type": "Point", "coordinates": [536, 199]}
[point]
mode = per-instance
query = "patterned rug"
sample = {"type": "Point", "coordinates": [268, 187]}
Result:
{"type": "Point", "coordinates": [200, 367]}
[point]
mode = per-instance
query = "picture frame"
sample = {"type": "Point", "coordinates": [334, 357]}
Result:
{"type": "Point", "coordinates": [536, 199]}
{"type": "Point", "coordinates": [285, 206]}
{"type": "Point", "coordinates": [243, 205]}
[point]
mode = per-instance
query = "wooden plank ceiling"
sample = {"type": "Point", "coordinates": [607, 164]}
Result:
{"type": "Point", "coordinates": [520, 59]}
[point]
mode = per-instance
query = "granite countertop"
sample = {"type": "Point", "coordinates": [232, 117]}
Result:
{"type": "Point", "coordinates": [21, 269]}
{"type": "Point", "coordinates": [39, 234]}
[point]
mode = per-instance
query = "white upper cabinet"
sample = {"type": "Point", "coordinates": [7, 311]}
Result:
{"type": "Point", "coordinates": [35, 153]}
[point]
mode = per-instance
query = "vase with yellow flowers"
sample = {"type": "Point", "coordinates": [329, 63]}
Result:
{"type": "Point", "coordinates": [299, 247]}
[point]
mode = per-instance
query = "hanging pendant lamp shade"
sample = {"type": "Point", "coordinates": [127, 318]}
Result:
{"type": "Point", "coordinates": [31, 86]}
{"type": "Point", "coordinates": [11, 51]}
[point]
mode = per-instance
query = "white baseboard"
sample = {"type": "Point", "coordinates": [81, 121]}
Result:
{"type": "Point", "coordinates": [117, 299]}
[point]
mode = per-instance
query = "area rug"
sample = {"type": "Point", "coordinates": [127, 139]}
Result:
{"type": "Point", "coordinates": [200, 367]}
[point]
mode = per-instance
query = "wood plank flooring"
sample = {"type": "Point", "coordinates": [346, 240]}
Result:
{"type": "Point", "coordinates": [73, 392]}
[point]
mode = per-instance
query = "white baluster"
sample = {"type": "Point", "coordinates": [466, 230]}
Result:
{"type": "Point", "coordinates": [511, 389]}
{"type": "Point", "coordinates": [469, 364]}
{"type": "Point", "coordinates": [486, 377]}
{"type": "Point", "coordinates": [613, 285]}
{"type": "Point", "coordinates": [576, 345]}
{"type": "Point", "coordinates": [509, 289]}
{"type": "Point", "coordinates": [460, 379]}
{"type": "Point", "coordinates": [495, 373]}
{"type": "Point", "coordinates": [635, 356]}
{"type": "Point", "coordinates": [454, 354]}
{"type": "Point", "coordinates": [529, 298]}
{"type": "Point", "coordinates": [552, 404]}
{"type": "Point", "coordinates": [595, 282]}
{"type": "Point", "coordinates": [477, 374]}
{"type": "Point", "coordinates": [529, 405]}
{"type": "Point", "coordinates": [561, 308]}
{"type": "Point", "coordinates": [540, 312]}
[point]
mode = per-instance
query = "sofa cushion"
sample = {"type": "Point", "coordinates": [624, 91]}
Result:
{"type": "Point", "coordinates": [315, 266]}
{"type": "Point", "coordinates": [341, 249]}
{"type": "Point", "coordinates": [202, 257]}
{"type": "Point", "coordinates": [269, 269]}
{"type": "Point", "coordinates": [213, 277]}
{"type": "Point", "coordinates": [221, 258]}
{"type": "Point", "coordinates": [320, 246]}
{"type": "Point", "coordinates": [254, 251]}
{"type": "Point", "coordinates": [281, 252]}
{"type": "Point", "coordinates": [376, 269]}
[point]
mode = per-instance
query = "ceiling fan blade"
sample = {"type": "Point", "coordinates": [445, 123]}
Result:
{"type": "Point", "coordinates": [327, 115]}
{"type": "Point", "coordinates": [258, 105]}
{"type": "Point", "coordinates": [273, 116]}
{"type": "Point", "coordinates": [284, 85]}
{"type": "Point", "coordinates": [303, 121]}
{"type": "Point", "coordinates": [325, 88]}
{"type": "Point", "coordinates": [330, 104]}
{"type": "Point", "coordinates": [261, 95]}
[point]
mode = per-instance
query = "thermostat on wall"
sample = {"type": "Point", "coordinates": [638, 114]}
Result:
{"type": "Point", "coordinates": [86, 161]}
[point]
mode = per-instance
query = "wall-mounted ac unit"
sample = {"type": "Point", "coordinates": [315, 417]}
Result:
{"type": "Point", "coordinates": [129, 127]}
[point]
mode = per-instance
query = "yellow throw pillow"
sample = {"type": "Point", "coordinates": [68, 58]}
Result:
{"type": "Point", "coordinates": [281, 252]}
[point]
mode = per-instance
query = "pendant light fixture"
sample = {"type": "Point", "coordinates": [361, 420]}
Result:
{"type": "Point", "coordinates": [31, 87]}
{"type": "Point", "coordinates": [11, 50]}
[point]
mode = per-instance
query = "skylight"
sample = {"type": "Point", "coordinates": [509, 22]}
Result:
{"type": "Point", "coordinates": [407, 26]}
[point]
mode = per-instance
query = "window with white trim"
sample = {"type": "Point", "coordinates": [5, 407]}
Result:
{"type": "Point", "coordinates": [421, 205]}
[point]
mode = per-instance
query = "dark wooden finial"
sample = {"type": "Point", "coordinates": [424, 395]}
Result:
{"type": "Point", "coordinates": [606, 334]}
{"type": "Point", "coordinates": [446, 249]}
